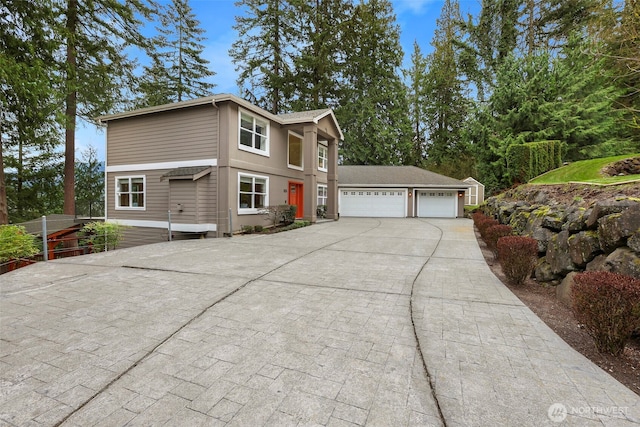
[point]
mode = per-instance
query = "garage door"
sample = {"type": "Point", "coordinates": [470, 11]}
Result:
{"type": "Point", "coordinates": [373, 203]}
{"type": "Point", "coordinates": [437, 204]}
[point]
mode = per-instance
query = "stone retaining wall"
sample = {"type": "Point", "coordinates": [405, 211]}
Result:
{"type": "Point", "coordinates": [573, 238]}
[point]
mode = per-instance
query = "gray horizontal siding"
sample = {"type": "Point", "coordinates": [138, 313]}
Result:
{"type": "Point", "coordinates": [165, 137]}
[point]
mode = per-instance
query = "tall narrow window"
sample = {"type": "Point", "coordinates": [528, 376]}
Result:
{"type": "Point", "coordinates": [322, 194]}
{"type": "Point", "coordinates": [130, 192]}
{"type": "Point", "coordinates": [295, 154]}
{"type": "Point", "coordinates": [323, 158]}
{"type": "Point", "coordinates": [254, 134]}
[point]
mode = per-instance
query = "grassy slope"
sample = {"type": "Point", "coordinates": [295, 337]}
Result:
{"type": "Point", "coordinates": [585, 171]}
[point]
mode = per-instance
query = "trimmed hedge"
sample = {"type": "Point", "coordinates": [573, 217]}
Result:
{"type": "Point", "coordinates": [493, 233]}
{"type": "Point", "coordinates": [608, 305]}
{"type": "Point", "coordinates": [526, 161]}
{"type": "Point", "coordinates": [518, 256]}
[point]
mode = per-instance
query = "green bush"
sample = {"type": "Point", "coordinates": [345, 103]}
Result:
{"type": "Point", "coordinates": [290, 215]}
{"type": "Point", "coordinates": [102, 236]}
{"type": "Point", "coordinates": [321, 211]}
{"type": "Point", "coordinates": [518, 256]}
{"type": "Point", "coordinates": [247, 229]}
{"type": "Point", "coordinates": [258, 228]}
{"type": "Point", "coordinates": [526, 161]}
{"type": "Point", "coordinates": [608, 305]}
{"type": "Point", "coordinates": [495, 232]}
{"type": "Point", "coordinates": [16, 243]}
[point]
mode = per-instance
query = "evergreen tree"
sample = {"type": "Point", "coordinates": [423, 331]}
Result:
{"type": "Point", "coordinates": [262, 53]}
{"type": "Point", "coordinates": [96, 69]}
{"type": "Point", "coordinates": [446, 103]}
{"type": "Point", "coordinates": [586, 114]}
{"type": "Point", "coordinates": [29, 103]}
{"type": "Point", "coordinates": [373, 108]}
{"type": "Point", "coordinates": [417, 94]}
{"type": "Point", "coordinates": [316, 64]}
{"type": "Point", "coordinates": [90, 184]}
{"type": "Point", "coordinates": [177, 71]}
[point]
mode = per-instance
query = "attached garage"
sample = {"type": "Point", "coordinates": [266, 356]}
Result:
{"type": "Point", "coordinates": [437, 204]}
{"type": "Point", "coordinates": [375, 202]}
{"type": "Point", "coordinates": [398, 192]}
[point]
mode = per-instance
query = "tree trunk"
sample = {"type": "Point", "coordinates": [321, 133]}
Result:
{"type": "Point", "coordinates": [70, 110]}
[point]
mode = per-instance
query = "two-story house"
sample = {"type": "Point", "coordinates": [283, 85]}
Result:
{"type": "Point", "coordinates": [207, 166]}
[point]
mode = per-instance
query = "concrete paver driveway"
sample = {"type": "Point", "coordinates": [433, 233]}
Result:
{"type": "Point", "coordinates": [389, 322]}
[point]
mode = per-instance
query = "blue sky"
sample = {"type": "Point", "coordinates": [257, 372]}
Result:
{"type": "Point", "coordinates": [416, 18]}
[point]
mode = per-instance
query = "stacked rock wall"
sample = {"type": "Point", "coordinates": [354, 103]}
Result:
{"type": "Point", "coordinates": [573, 237]}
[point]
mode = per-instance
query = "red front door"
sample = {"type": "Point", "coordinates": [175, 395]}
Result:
{"type": "Point", "coordinates": [296, 197]}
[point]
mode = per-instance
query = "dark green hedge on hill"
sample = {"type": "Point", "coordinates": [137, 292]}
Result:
{"type": "Point", "coordinates": [526, 161]}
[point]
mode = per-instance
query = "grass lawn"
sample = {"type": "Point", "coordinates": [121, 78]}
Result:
{"type": "Point", "coordinates": [585, 171]}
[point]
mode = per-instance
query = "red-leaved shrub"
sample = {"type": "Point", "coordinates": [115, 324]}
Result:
{"type": "Point", "coordinates": [518, 256]}
{"type": "Point", "coordinates": [493, 233]}
{"type": "Point", "coordinates": [608, 305]}
{"type": "Point", "coordinates": [484, 224]}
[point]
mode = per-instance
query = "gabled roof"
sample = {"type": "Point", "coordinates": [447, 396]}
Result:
{"type": "Point", "coordinates": [313, 116]}
{"type": "Point", "coordinates": [394, 176]}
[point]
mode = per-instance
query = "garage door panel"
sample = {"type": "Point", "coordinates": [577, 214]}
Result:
{"type": "Point", "coordinates": [372, 203]}
{"type": "Point", "coordinates": [437, 204]}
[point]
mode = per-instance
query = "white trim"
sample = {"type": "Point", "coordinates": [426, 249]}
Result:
{"type": "Point", "coordinates": [193, 228]}
{"type": "Point", "coordinates": [117, 193]}
{"type": "Point", "coordinates": [323, 144]}
{"type": "Point", "coordinates": [252, 211]}
{"type": "Point", "coordinates": [162, 165]}
{"type": "Point", "coordinates": [252, 149]}
{"type": "Point", "coordinates": [301, 138]}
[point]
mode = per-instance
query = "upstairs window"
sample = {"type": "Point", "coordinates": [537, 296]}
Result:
{"type": "Point", "coordinates": [130, 192]}
{"type": "Point", "coordinates": [295, 154]}
{"type": "Point", "coordinates": [323, 158]}
{"type": "Point", "coordinates": [254, 134]}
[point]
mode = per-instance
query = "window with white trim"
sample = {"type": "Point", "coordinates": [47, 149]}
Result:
{"type": "Point", "coordinates": [130, 192]}
{"type": "Point", "coordinates": [323, 158]}
{"type": "Point", "coordinates": [295, 154]}
{"type": "Point", "coordinates": [253, 193]}
{"type": "Point", "coordinates": [253, 134]}
{"type": "Point", "coordinates": [322, 194]}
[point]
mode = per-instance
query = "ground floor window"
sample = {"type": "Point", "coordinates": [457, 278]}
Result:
{"type": "Point", "coordinates": [322, 194]}
{"type": "Point", "coordinates": [130, 192]}
{"type": "Point", "coordinates": [252, 193]}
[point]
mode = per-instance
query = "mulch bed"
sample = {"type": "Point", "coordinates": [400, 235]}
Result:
{"type": "Point", "coordinates": [541, 299]}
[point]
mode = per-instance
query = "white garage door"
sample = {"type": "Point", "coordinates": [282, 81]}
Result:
{"type": "Point", "coordinates": [373, 203]}
{"type": "Point", "coordinates": [437, 204]}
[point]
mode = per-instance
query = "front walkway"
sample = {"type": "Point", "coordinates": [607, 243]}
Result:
{"type": "Point", "coordinates": [312, 326]}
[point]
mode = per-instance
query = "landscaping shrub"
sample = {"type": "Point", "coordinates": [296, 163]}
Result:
{"type": "Point", "coordinates": [518, 256]}
{"type": "Point", "coordinates": [495, 232]}
{"type": "Point", "coordinates": [484, 224]}
{"type": "Point", "coordinates": [247, 229]}
{"type": "Point", "coordinates": [16, 243]}
{"type": "Point", "coordinates": [608, 305]}
{"type": "Point", "coordinates": [101, 235]}
{"type": "Point", "coordinates": [258, 228]}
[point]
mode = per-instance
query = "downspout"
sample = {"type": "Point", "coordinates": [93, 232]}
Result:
{"type": "Point", "coordinates": [106, 151]}
{"type": "Point", "coordinates": [218, 224]}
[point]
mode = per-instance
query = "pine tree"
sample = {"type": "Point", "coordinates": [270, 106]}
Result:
{"type": "Point", "coordinates": [262, 53]}
{"type": "Point", "coordinates": [446, 103]}
{"type": "Point", "coordinates": [373, 108]}
{"type": "Point", "coordinates": [90, 184]}
{"type": "Point", "coordinates": [317, 66]}
{"type": "Point", "coordinates": [29, 102]}
{"type": "Point", "coordinates": [177, 71]}
{"type": "Point", "coordinates": [417, 94]}
{"type": "Point", "coordinates": [95, 67]}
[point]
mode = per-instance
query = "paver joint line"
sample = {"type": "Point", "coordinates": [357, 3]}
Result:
{"type": "Point", "coordinates": [190, 321]}
{"type": "Point", "coordinates": [415, 333]}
